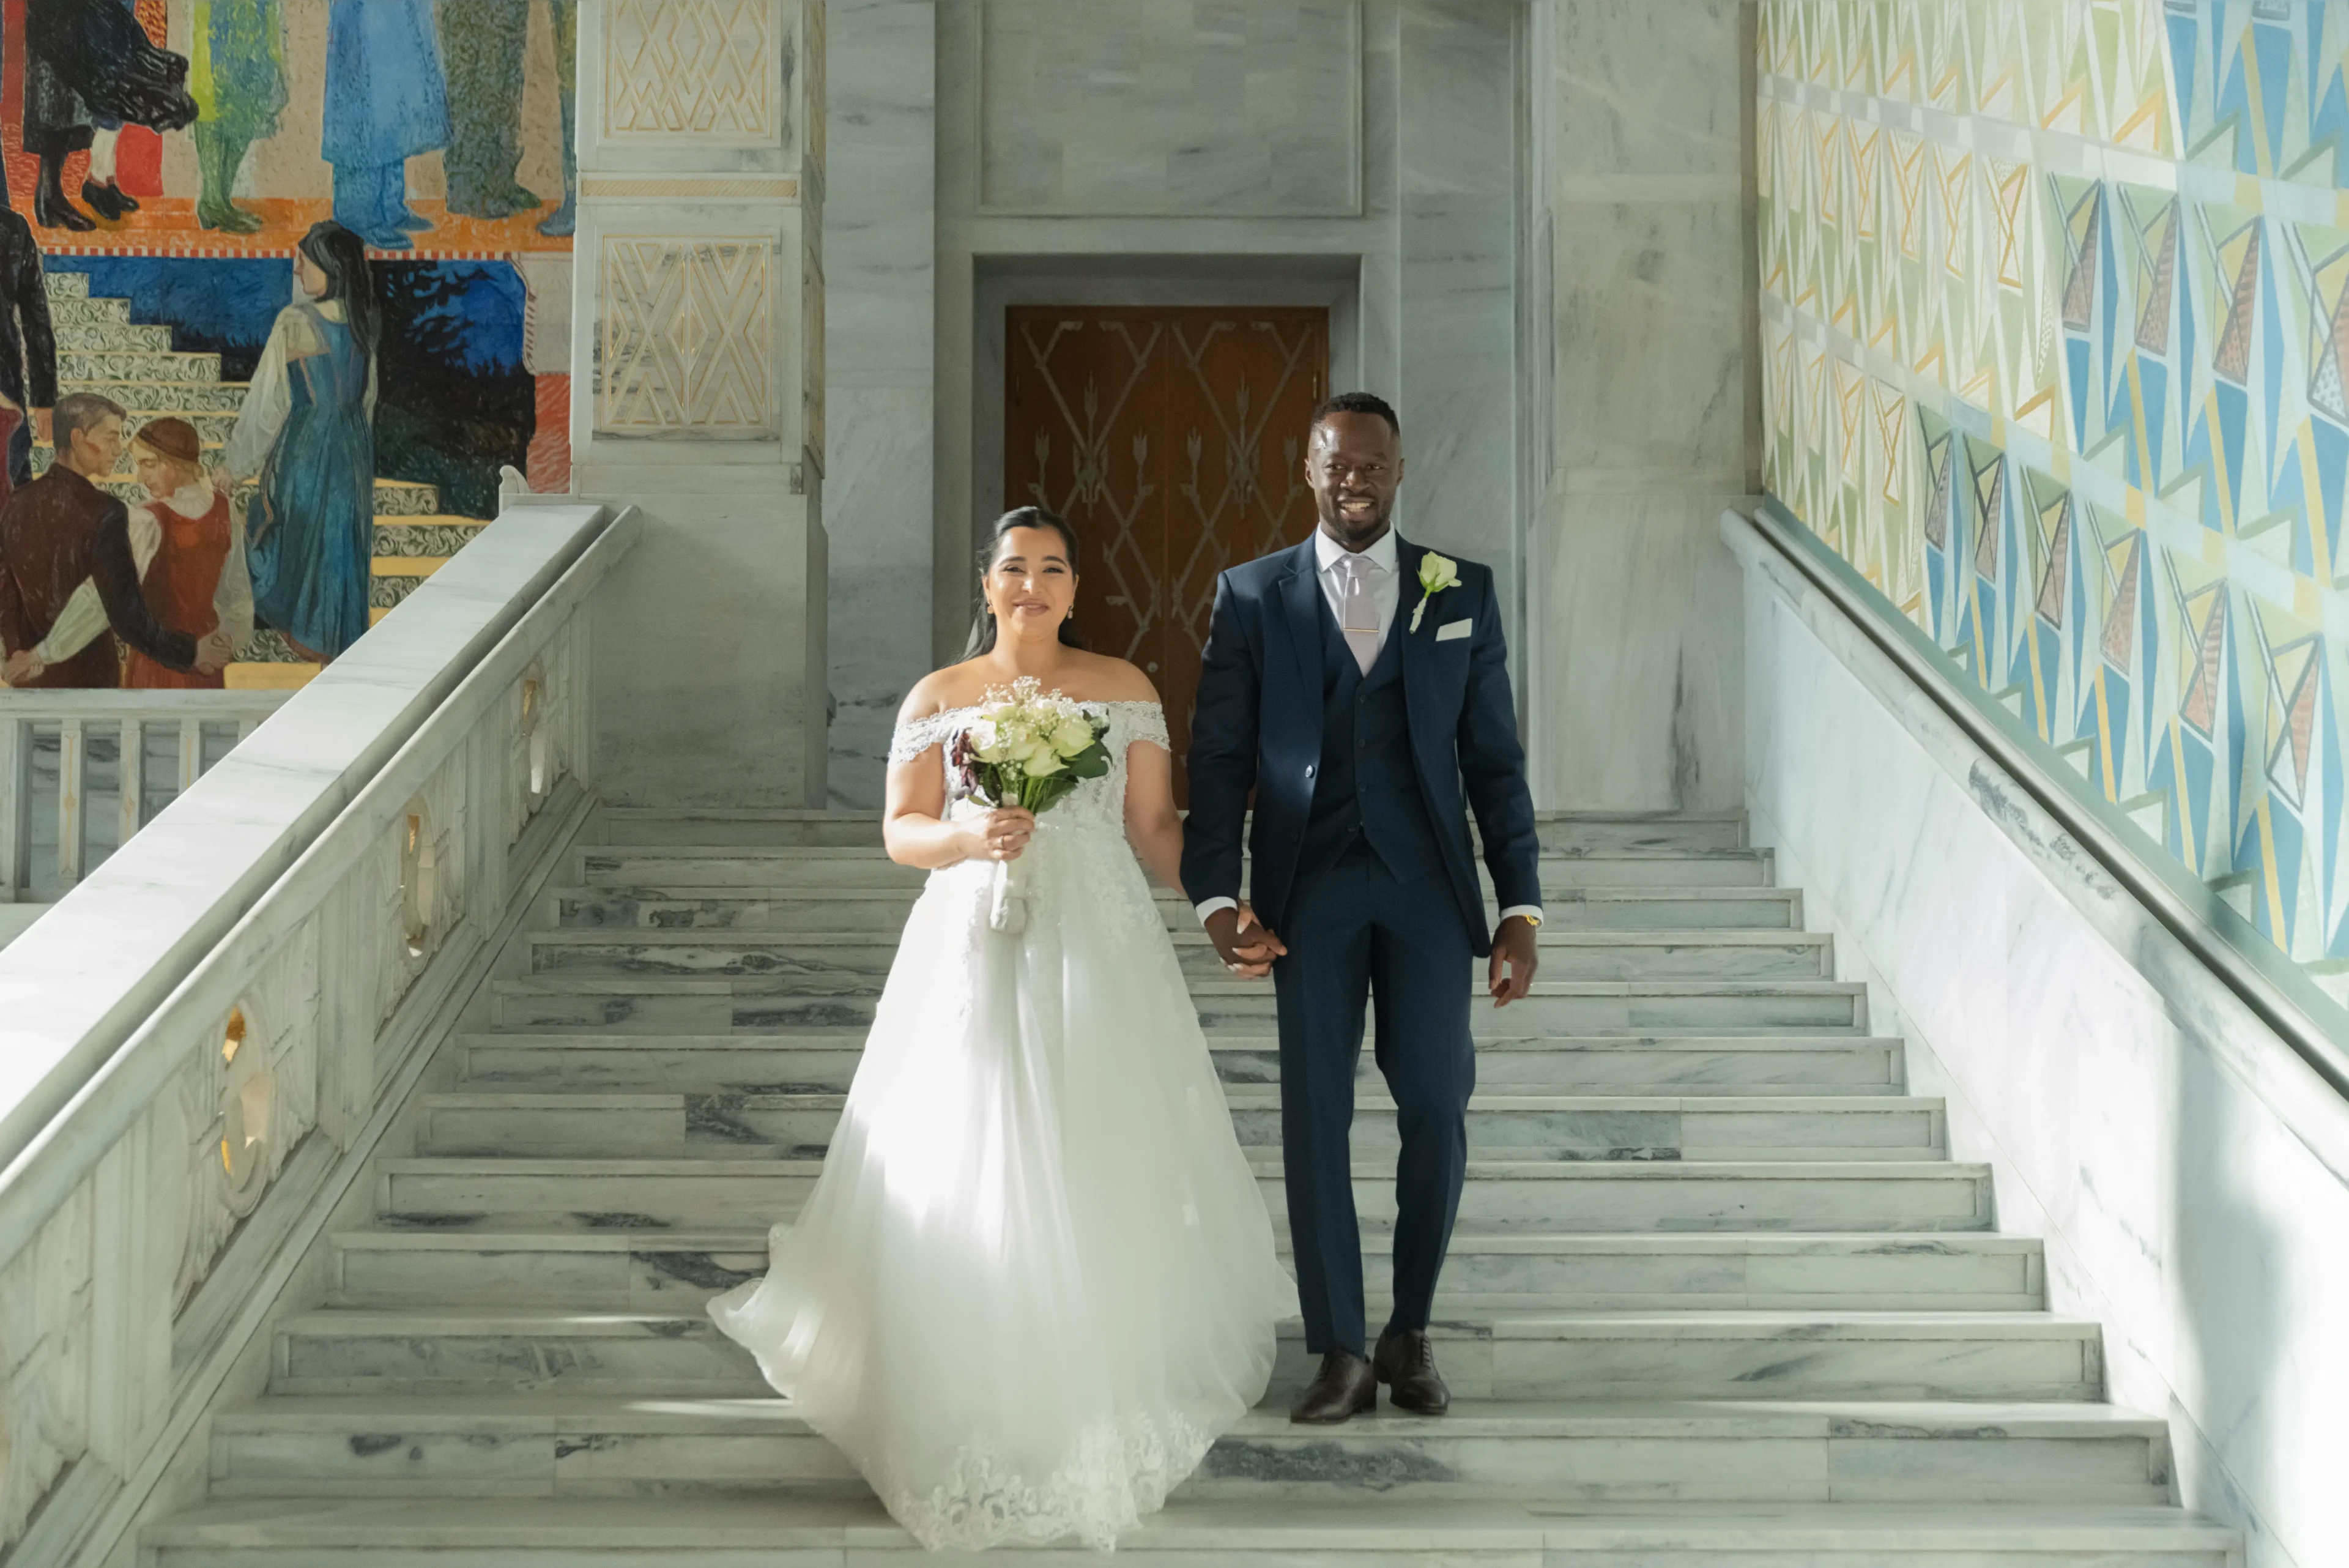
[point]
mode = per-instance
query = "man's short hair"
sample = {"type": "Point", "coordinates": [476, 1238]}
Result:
{"type": "Point", "coordinates": [81, 411]}
{"type": "Point", "coordinates": [1358, 403]}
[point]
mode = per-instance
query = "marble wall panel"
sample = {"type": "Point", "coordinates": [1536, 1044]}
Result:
{"type": "Point", "coordinates": [1457, 196]}
{"type": "Point", "coordinates": [1179, 106]}
{"type": "Point", "coordinates": [1644, 406]}
{"type": "Point", "coordinates": [880, 259]}
{"type": "Point", "coordinates": [2189, 1174]}
{"type": "Point", "coordinates": [1642, 707]}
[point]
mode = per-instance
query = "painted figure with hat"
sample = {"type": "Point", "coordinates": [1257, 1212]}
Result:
{"type": "Point", "coordinates": [188, 543]}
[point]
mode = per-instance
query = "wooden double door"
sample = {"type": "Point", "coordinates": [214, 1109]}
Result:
{"type": "Point", "coordinates": [1174, 438]}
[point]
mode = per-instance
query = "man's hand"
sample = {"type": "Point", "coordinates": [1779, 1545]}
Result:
{"type": "Point", "coordinates": [41, 425]}
{"type": "Point", "coordinates": [1513, 948]}
{"type": "Point", "coordinates": [213, 651]}
{"type": "Point", "coordinates": [1247, 946]}
{"type": "Point", "coordinates": [23, 667]}
{"type": "Point", "coordinates": [223, 480]}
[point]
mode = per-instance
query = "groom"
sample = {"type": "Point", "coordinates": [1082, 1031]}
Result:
{"type": "Point", "coordinates": [1359, 684]}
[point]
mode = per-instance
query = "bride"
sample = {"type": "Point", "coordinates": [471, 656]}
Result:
{"type": "Point", "coordinates": [1036, 1278]}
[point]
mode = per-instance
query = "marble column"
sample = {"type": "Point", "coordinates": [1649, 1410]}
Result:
{"type": "Point", "coordinates": [1646, 398]}
{"type": "Point", "coordinates": [697, 393]}
{"type": "Point", "coordinates": [881, 264]}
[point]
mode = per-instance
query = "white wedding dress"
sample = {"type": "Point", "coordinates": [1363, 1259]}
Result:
{"type": "Point", "coordinates": [1036, 1278]}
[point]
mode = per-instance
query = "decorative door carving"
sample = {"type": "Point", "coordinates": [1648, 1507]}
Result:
{"type": "Point", "coordinates": [1174, 438]}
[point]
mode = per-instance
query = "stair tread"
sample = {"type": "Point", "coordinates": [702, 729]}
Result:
{"type": "Point", "coordinates": [674, 937]}
{"type": "Point", "coordinates": [1450, 1322]}
{"type": "Point", "coordinates": [781, 1522]}
{"type": "Point", "coordinates": [1247, 1096]}
{"type": "Point", "coordinates": [1487, 1169]}
{"type": "Point", "coordinates": [510, 1410]}
{"type": "Point", "coordinates": [566, 1233]}
{"type": "Point", "coordinates": [837, 1039]}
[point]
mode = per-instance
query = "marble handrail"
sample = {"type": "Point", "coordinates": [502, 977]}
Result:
{"type": "Point", "coordinates": [61, 751]}
{"type": "Point", "coordinates": [200, 1044]}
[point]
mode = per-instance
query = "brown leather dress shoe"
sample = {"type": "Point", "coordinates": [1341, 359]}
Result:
{"type": "Point", "coordinates": [1344, 1388]}
{"type": "Point", "coordinates": [1406, 1363]}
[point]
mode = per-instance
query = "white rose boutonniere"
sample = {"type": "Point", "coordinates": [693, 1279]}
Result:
{"type": "Point", "coordinates": [1436, 573]}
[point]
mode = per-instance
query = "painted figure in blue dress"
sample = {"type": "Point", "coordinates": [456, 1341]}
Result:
{"type": "Point", "coordinates": [386, 101]}
{"type": "Point", "coordinates": [307, 430]}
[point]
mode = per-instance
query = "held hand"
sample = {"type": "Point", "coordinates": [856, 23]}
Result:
{"type": "Point", "coordinates": [1247, 945]}
{"type": "Point", "coordinates": [1001, 834]}
{"type": "Point", "coordinates": [41, 426]}
{"type": "Point", "coordinates": [1513, 948]}
{"type": "Point", "coordinates": [22, 668]}
{"type": "Point", "coordinates": [223, 480]}
{"type": "Point", "coordinates": [213, 651]}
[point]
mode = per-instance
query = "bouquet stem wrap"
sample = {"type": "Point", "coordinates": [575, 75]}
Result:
{"type": "Point", "coordinates": [1030, 748]}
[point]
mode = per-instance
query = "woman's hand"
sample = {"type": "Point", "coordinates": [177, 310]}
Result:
{"type": "Point", "coordinates": [1001, 834]}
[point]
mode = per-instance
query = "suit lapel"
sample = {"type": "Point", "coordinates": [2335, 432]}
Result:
{"type": "Point", "coordinates": [1419, 701]}
{"type": "Point", "coordinates": [1300, 600]}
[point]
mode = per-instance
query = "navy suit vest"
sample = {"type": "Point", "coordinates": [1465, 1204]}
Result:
{"type": "Point", "coordinates": [1366, 783]}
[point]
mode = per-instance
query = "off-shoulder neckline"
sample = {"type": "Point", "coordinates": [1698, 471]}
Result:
{"type": "Point", "coordinates": [1079, 701]}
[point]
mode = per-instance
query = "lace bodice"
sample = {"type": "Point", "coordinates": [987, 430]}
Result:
{"type": "Point", "coordinates": [1094, 803]}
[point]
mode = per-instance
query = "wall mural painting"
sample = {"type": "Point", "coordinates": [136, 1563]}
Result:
{"type": "Point", "coordinates": [287, 280]}
{"type": "Point", "coordinates": [2056, 328]}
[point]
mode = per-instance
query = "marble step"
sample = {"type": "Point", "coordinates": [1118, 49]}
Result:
{"type": "Point", "coordinates": [1562, 832]}
{"type": "Point", "coordinates": [153, 395]}
{"type": "Point", "coordinates": [714, 1003]}
{"type": "Point", "coordinates": [1560, 1453]}
{"type": "Point", "coordinates": [1508, 1127]}
{"type": "Point", "coordinates": [470, 1350]}
{"type": "Point", "coordinates": [1360, 1532]}
{"type": "Point", "coordinates": [784, 907]}
{"type": "Point", "coordinates": [654, 828]}
{"type": "Point", "coordinates": [563, 1260]}
{"type": "Point", "coordinates": [824, 1062]}
{"type": "Point", "coordinates": [1923, 1196]}
{"type": "Point", "coordinates": [60, 286]}
{"type": "Point", "coordinates": [696, 866]}
{"type": "Point", "coordinates": [825, 957]}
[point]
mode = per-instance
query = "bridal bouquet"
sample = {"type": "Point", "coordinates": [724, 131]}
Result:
{"type": "Point", "coordinates": [1029, 748]}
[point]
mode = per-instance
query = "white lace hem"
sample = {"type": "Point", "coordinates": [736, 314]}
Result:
{"type": "Point", "coordinates": [1117, 1471]}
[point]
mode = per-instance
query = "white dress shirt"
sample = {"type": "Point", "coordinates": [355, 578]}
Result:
{"type": "Point", "coordinates": [1386, 595]}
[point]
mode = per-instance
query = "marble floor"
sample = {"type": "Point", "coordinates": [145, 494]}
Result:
{"type": "Point", "coordinates": [1719, 1295]}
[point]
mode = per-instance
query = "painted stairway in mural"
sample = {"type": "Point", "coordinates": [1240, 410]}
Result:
{"type": "Point", "coordinates": [101, 350]}
{"type": "Point", "coordinates": [1719, 1295]}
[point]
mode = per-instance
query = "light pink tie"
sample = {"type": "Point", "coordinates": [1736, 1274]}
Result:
{"type": "Point", "coordinates": [1358, 612]}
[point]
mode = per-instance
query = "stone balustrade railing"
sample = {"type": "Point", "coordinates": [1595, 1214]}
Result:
{"type": "Point", "coordinates": [202, 1044]}
{"type": "Point", "coordinates": [80, 772]}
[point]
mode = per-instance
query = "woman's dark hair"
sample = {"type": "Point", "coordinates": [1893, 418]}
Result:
{"type": "Point", "coordinates": [342, 256]}
{"type": "Point", "coordinates": [982, 624]}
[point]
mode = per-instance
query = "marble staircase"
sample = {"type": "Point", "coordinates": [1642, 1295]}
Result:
{"type": "Point", "coordinates": [1719, 1295]}
{"type": "Point", "coordinates": [101, 350]}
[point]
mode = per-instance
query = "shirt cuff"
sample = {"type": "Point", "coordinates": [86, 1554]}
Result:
{"type": "Point", "coordinates": [1531, 910]}
{"type": "Point", "coordinates": [1206, 907]}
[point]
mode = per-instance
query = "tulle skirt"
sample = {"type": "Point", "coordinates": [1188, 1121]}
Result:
{"type": "Point", "coordinates": [1036, 1278]}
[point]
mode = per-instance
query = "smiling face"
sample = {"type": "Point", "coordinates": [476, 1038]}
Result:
{"type": "Point", "coordinates": [1353, 463]}
{"type": "Point", "coordinates": [1029, 584]}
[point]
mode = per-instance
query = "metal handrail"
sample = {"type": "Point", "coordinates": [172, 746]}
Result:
{"type": "Point", "coordinates": [2265, 979]}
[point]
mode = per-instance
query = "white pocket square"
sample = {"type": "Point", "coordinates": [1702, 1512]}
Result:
{"type": "Point", "coordinates": [1451, 629]}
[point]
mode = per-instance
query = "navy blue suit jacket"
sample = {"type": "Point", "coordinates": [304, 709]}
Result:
{"type": "Point", "coordinates": [1258, 726]}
